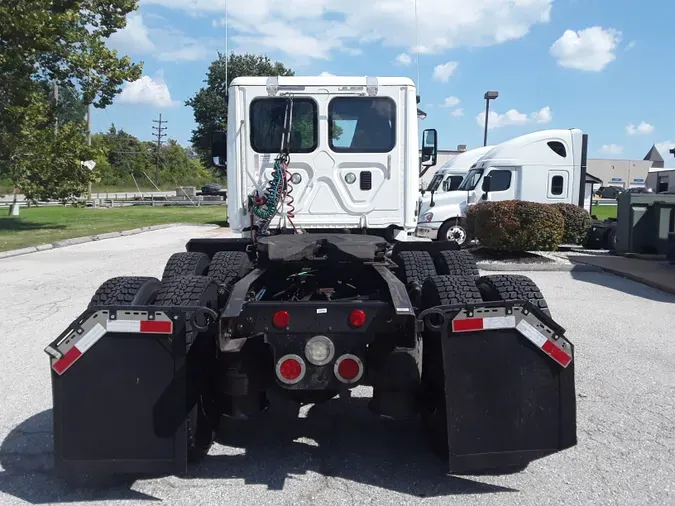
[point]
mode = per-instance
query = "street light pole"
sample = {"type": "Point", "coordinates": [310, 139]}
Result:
{"type": "Point", "coordinates": [489, 95]}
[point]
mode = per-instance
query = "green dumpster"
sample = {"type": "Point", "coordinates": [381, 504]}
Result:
{"type": "Point", "coordinates": [644, 222]}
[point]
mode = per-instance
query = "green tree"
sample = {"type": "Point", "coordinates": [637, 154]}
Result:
{"type": "Point", "coordinates": [121, 157]}
{"type": "Point", "coordinates": [209, 104]}
{"type": "Point", "coordinates": [62, 42]}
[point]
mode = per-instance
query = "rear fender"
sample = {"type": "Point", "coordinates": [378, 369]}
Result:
{"type": "Point", "coordinates": [509, 384]}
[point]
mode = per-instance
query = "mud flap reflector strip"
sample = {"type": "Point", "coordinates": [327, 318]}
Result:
{"type": "Point", "coordinates": [78, 341]}
{"type": "Point", "coordinates": [554, 347]}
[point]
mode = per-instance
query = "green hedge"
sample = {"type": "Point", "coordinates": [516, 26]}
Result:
{"type": "Point", "coordinates": [577, 223]}
{"type": "Point", "coordinates": [516, 225]}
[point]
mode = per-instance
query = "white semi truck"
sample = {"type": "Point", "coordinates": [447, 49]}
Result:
{"type": "Point", "coordinates": [316, 297]}
{"type": "Point", "coordinates": [448, 177]}
{"type": "Point", "coordinates": [547, 166]}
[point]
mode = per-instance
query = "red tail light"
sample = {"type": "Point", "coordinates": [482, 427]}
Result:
{"type": "Point", "coordinates": [348, 368]}
{"type": "Point", "coordinates": [281, 319]}
{"type": "Point", "coordinates": [357, 318]}
{"type": "Point", "coordinates": [290, 369]}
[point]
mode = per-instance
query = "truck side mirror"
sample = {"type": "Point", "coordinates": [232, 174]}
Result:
{"type": "Point", "coordinates": [429, 147]}
{"type": "Point", "coordinates": [219, 149]}
{"type": "Point", "coordinates": [487, 182]}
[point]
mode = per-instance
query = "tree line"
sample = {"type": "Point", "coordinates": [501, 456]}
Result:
{"type": "Point", "coordinates": [124, 160]}
{"type": "Point", "coordinates": [55, 46]}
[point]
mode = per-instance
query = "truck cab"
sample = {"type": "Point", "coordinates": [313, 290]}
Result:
{"type": "Point", "coordinates": [546, 166]}
{"type": "Point", "coordinates": [351, 159]}
{"type": "Point", "coordinates": [442, 195]}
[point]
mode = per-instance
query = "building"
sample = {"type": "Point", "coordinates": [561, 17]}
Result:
{"type": "Point", "coordinates": [620, 173]}
{"type": "Point", "coordinates": [660, 179]}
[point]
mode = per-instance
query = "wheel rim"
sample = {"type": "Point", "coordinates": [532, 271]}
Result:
{"type": "Point", "coordinates": [456, 234]}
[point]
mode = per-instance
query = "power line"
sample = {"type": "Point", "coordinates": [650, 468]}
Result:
{"type": "Point", "coordinates": [160, 135]}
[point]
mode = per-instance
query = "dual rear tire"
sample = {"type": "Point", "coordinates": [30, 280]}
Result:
{"type": "Point", "coordinates": [189, 279]}
{"type": "Point", "coordinates": [452, 278]}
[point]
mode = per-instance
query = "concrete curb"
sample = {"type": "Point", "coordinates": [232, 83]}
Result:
{"type": "Point", "coordinates": [92, 238]}
{"type": "Point", "coordinates": [535, 267]}
{"type": "Point", "coordinates": [634, 277]}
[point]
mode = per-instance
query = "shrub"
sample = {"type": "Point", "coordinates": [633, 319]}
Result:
{"type": "Point", "coordinates": [577, 223]}
{"type": "Point", "coordinates": [516, 225]}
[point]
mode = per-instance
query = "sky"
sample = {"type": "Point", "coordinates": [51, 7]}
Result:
{"type": "Point", "coordinates": [605, 66]}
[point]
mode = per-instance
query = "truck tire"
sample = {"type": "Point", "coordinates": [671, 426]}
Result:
{"type": "Point", "coordinates": [200, 432]}
{"type": "Point", "coordinates": [186, 263]}
{"type": "Point", "coordinates": [439, 290]}
{"type": "Point", "coordinates": [196, 291]}
{"type": "Point", "coordinates": [454, 230]}
{"type": "Point", "coordinates": [415, 266]}
{"type": "Point", "coordinates": [509, 287]}
{"type": "Point", "coordinates": [228, 267]}
{"type": "Point", "coordinates": [611, 240]}
{"type": "Point", "coordinates": [126, 291]}
{"type": "Point", "coordinates": [456, 263]}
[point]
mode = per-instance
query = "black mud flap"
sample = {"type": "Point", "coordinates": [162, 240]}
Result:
{"type": "Point", "coordinates": [119, 386]}
{"type": "Point", "coordinates": [509, 385]}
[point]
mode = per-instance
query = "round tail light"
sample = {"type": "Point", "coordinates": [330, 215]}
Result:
{"type": "Point", "coordinates": [319, 350]}
{"type": "Point", "coordinates": [290, 369]}
{"type": "Point", "coordinates": [357, 318]}
{"type": "Point", "coordinates": [281, 319]}
{"type": "Point", "coordinates": [348, 368]}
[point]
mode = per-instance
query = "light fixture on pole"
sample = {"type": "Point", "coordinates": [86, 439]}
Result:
{"type": "Point", "coordinates": [489, 95]}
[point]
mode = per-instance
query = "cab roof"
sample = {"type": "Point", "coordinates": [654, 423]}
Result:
{"type": "Point", "coordinates": [531, 145]}
{"type": "Point", "coordinates": [464, 161]}
{"type": "Point", "coordinates": [327, 80]}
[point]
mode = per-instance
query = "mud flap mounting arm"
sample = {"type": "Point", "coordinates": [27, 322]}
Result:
{"type": "Point", "coordinates": [520, 315]}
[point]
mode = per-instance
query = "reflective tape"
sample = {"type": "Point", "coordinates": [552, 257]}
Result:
{"type": "Point", "coordinates": [86, 341]}
{"type": "Point", "coordinates": [490, 323]}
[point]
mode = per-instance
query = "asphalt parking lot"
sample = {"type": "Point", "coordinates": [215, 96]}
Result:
{"type": "Point", "coordinates": [338, 453]}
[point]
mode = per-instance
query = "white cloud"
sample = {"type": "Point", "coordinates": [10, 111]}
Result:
{"type": "Point", "coordinates": [642, 129]}
{"type": "Point", "coordinates": [444, 71]}
{"type": "Point", "coordinates": [542, 116]}
{"type": "Point", "coordinates": [591, 49]}
{"type": "Point", "coordinates": [513, 117]}
{"type": "Point", "coordinates": [164, 43]}
{"type": "Point", "coordinates": [403, 59]}
{"type": "Point", "coordinates": [326, 74]}
{"type": "Point", "coordinates": [133, 38]}
{"type": "Point", "coordinates": [630, 45]}
{"type": "Point", "coordinates": [611, 149]}
{"type": "Point", "coordinates": [147, 91]}
{"type": "Point", "coordinates": [458, 112]}
{"type": "Point", "coordinates": [317, 28]}
{"type": "Point", "coordinates": [664, 149]}
{"type": "Point", "coordinates": [451, 102]}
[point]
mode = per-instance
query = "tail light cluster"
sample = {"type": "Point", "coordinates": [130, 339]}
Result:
{"type": "Point", "coordinates": [281, 319]}
{"type": "Point", "coordinates": [319, 351]}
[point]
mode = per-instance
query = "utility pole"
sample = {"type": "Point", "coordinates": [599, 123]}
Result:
{"type": "Point", "coordinates": [56, 101]}
{"type": "Point", "coordinates": [160, 134]}
{"type": "Point", "coordinates": [89, 137]}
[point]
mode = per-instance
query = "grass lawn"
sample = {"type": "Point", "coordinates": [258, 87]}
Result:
{"type": "Point", "coordinates": [604, 212]}
{"type": "Point", "coordinates": [44, 225]}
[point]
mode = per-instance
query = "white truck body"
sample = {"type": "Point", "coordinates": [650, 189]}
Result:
{"type": "Point", "coordinates": [547, 166]}
{"type": "Point", "coordinates": [366, 178]}
{"type": "Point", "coordinates": [450, 175]}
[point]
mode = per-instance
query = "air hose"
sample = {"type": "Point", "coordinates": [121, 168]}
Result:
{"type": "Point", "coordinates": [279, 188]}
{"type": "Point", "coordinates": [265, 207]}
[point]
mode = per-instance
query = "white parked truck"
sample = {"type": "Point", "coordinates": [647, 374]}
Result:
{"type": "Point", "coordinates": [547, 166]}
{"type": "Point", "coordinates": [316, 297]}
{"type": "Point", "coordinates": [448, 177]}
